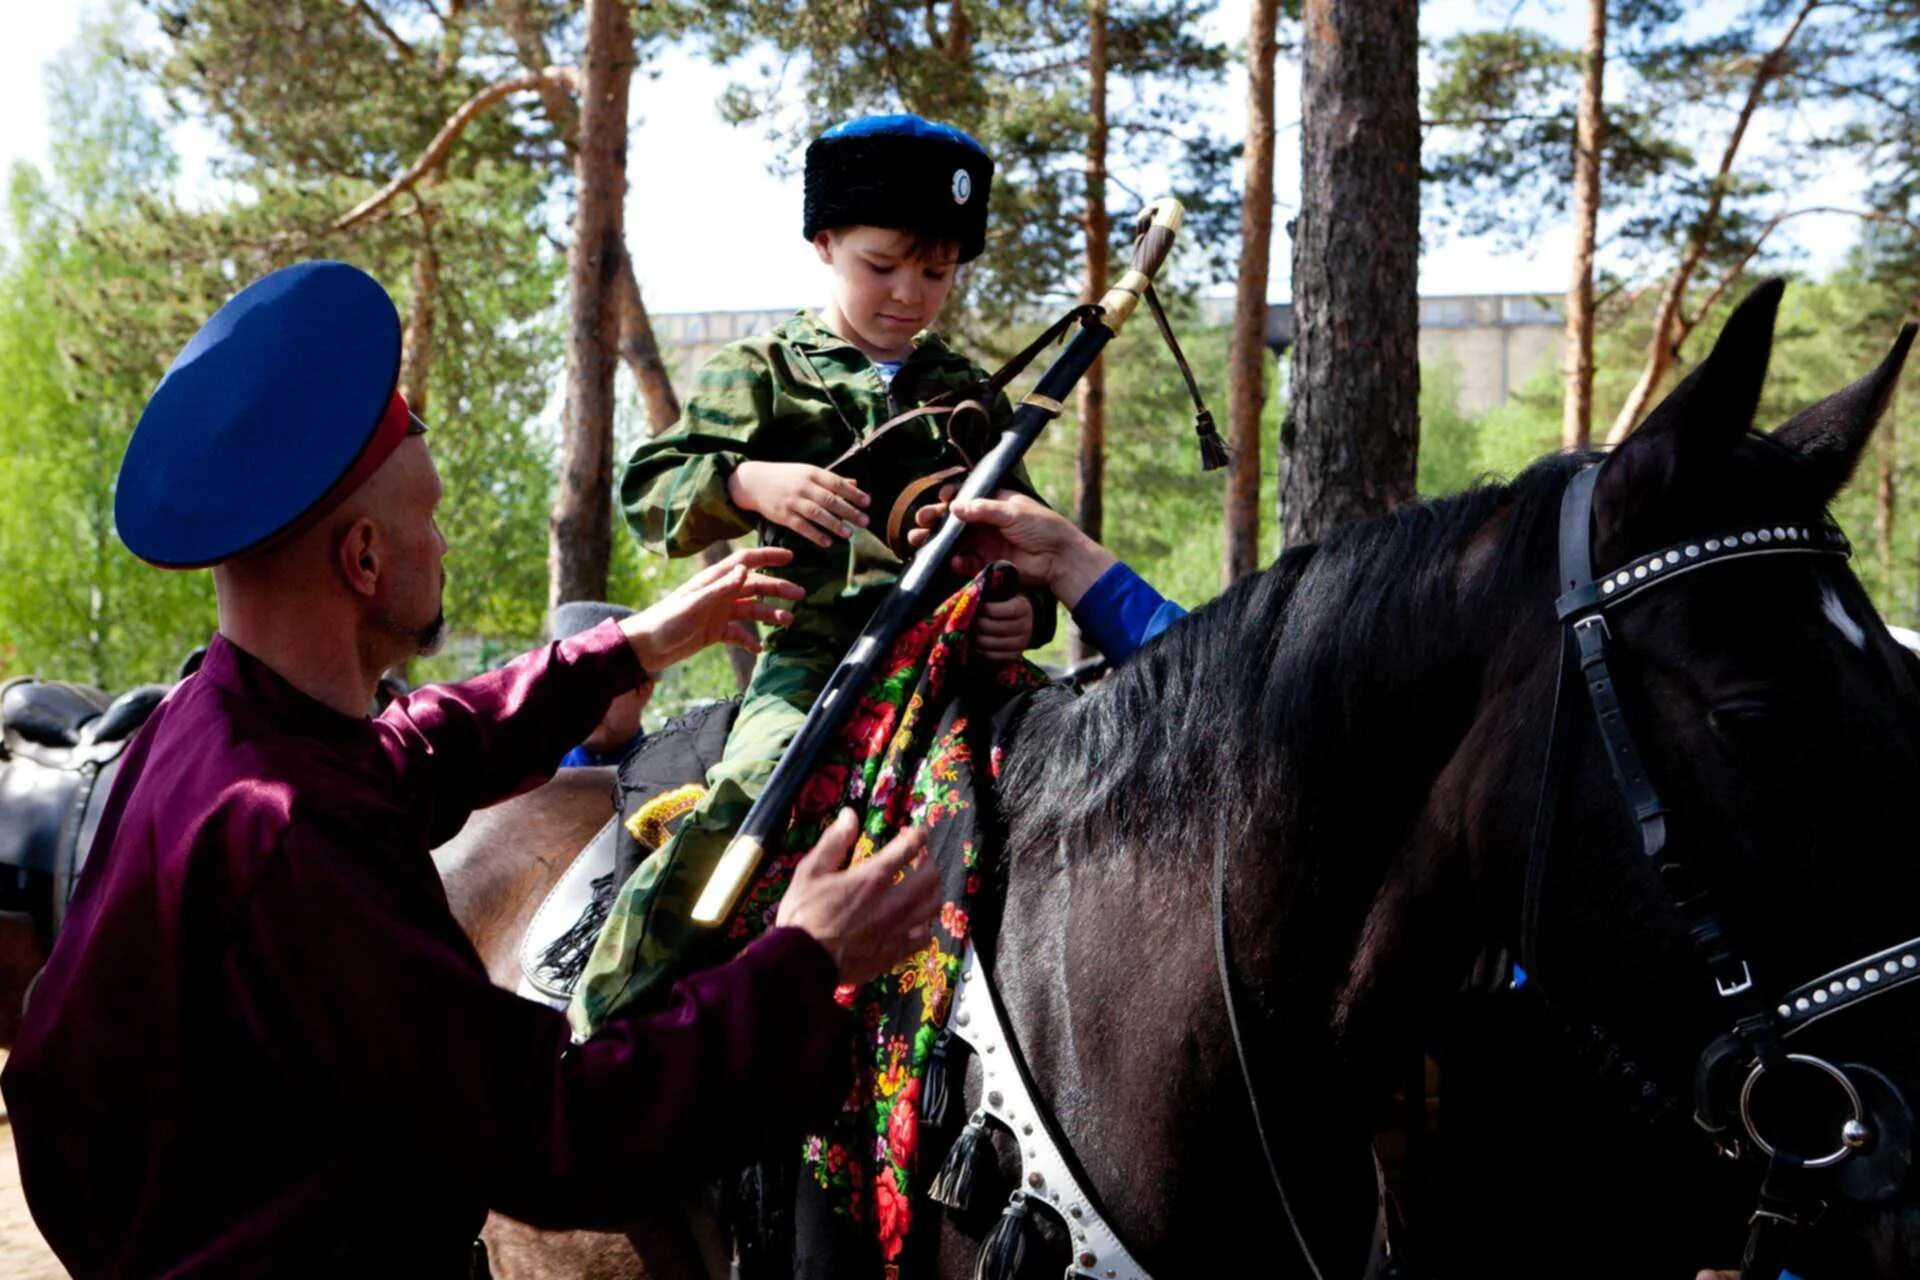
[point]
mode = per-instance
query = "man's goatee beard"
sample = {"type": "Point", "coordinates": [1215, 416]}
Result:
{"type": "Point", "coordinates": [427, 639]}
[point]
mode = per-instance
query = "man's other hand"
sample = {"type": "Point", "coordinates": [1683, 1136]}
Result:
{"type": "Point", "coordinates": [713, 605]}
{"type": "Point", "coordinates": [866, 920]}
{"type": "Point", "coordinates": [1042, 544]}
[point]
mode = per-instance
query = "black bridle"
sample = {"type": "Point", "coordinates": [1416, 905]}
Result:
{"type": "Point", "coordinates": [1872, 1152]}
{"type": "Point", "coordinates": [1874, 1149]}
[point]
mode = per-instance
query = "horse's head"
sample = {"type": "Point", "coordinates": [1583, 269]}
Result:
{"type": "Point", "coordinates": [1779, 725]}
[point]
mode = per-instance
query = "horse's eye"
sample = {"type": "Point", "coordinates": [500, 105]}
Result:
{"type": "Point", "coordinates": [1745, 720]}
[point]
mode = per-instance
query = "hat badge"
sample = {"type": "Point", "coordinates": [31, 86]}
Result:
{"type": "Point", "coordinates": [962, 186]}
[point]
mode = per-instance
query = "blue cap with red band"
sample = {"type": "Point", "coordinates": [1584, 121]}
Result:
{"type": "Point", "coordinates": [280, 406]}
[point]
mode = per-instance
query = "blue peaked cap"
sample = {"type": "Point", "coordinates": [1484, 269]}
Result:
{"type": "Point", "coordinates": [279, 406]}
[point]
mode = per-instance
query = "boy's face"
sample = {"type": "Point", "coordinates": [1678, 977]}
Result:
{"type": "Point", "coordinates": [881, 295]}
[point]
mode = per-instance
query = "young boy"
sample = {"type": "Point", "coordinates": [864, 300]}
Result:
{"type": "Point", "coordinates": [894, 204]}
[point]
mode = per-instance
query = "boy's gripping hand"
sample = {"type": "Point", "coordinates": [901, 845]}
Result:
{"type": "Point", "coordinates": [812, 501]}
{"type": "Point", "coordinates": [1003, 629]}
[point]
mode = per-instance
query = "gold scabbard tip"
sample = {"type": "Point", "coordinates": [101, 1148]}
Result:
{"type": "Point", "coordinates": [1166, 212]}
{"type": "Point", "coordinates": [728, 881]}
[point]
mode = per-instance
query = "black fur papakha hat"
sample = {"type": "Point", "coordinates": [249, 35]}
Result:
{"type": "Point", "coordinates": [903, 172]}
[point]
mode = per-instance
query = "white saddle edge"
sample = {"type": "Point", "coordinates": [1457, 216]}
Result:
{"type": "Point", "coordinates": [559, 911]}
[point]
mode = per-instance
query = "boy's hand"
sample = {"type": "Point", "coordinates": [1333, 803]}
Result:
{"type": "Point", "coordinates": [1003, 629]}
{"type": "Point", "coordinates": [812, 501]}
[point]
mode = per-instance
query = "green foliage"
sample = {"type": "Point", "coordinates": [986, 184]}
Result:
{"type": "Point", "coordinates": [73, 603]}
{"type": "Point", "coordinates": [1165, 516]}
{"type": "Point", "coordinates": [1829, 333]}
{"type": "Point", "coordinates": [1014, 75]}
{"type": "Point", "coordinates": [1499, 154]}
{"type": "Point", "coordinates": [1500, 115]}
{"type": "Point", "coordinates": [1458, 450]}
{"type": "Point", "coordinates": [110, 278]}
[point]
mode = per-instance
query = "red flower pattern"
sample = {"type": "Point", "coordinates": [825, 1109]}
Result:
{"type": "Point", "coordinates": [900, 758]}
{"type": "Point", "coordinates": [892, 1214]}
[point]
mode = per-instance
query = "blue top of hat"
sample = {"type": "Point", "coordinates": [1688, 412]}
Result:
{"type": "Point", "coordinates": [264, 411]}
{"type": "Point", "coordinates": [902, 126]}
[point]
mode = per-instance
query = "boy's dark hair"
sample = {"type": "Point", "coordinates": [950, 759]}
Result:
{"type": "Point", "coordinates": [922, 246]}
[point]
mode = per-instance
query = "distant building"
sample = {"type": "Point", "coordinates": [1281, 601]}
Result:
{"type": "Point", "coordinates": [1499, 340]}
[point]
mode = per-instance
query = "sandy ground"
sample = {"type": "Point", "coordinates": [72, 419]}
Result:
{"type": "Point", "coordinates": [23, 1254]}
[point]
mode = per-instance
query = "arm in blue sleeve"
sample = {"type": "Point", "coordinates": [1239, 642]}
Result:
{"type": "Point", "coordinates": [1120, 612]}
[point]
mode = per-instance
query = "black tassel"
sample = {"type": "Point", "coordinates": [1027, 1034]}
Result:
{"type": "Point", "coordinates": [1004, 1250]}
{"type": "Point", "coordinates": [934, 1094]}
{"type": "Point", "coordinates": [1213, 450]}
{"type": "Point", "coordinates": [563, 960]}
{"type": "Point", "coordinates": [954, 1185]}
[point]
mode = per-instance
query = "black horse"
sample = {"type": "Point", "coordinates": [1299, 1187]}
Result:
{"type": "Point", "coordinates": [1363, 728]}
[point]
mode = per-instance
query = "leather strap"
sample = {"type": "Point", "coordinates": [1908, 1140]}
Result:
{"type": "Point", "coordinates": [975, 396]}
{"type": "Point", "coordinates": [903, 506]}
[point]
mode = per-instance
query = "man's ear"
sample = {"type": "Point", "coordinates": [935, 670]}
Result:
{"type": "Point", "coordinates": [357, 557]}
{"type": "Point", "coordinates": [823, 245]}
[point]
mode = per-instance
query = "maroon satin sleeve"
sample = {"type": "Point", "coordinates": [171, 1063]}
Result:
{"type": "Point", "coordinates": [461, 747]}
{"type": "Point", "coordinates": [372, 1006]}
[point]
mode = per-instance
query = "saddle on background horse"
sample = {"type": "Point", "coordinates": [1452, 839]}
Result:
{"type": "Point", "coordinates": [60, 745]}
{"type": "Point", "coordinates": [656, 787]}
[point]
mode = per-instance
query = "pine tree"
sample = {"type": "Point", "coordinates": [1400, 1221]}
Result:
{"type": "Point", "coordinates": [1350, 440]}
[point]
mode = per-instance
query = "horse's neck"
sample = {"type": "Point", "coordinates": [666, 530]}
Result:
{"type": "Point", "coordinates": [1309, 739]}
{"type": "Point", "coordinates": [1319, 795]}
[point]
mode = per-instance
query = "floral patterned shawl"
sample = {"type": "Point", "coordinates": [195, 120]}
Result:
{"type": "Point", "coordinates": [906, 755]}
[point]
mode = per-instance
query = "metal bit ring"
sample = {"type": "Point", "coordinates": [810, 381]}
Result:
{"type": "Point", "coordinates": [1851, 1133]}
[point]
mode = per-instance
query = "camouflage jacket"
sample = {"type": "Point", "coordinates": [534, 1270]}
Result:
{"type": "Point", "coordinates": [800, 393]}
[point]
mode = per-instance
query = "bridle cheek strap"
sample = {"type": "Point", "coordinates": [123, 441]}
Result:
{"type": "Point", "coordinates": [1757, 1039]}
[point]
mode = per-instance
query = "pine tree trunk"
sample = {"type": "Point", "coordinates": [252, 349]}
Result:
{"type": "Point", "coordinates": [637, 344]}
{"type": "Point", "coordinates": [1350, 443]}
{"type": "Point", "coordinates": [416, 349]}
{"type": "Point", "coordinates": [580, 531]}
{"type": "Point", "coordinates": [641, 351]}
{"type": "Point", "coordinates": [1576, 427]}
{"type": "Point", "coordinates": [1089, 499]}
{"type": "Point", "coordinates": [1247, 367]}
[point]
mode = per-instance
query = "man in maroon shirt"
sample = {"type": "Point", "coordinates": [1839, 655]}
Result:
{"type": "Point", "coordinates": [262, 1044]}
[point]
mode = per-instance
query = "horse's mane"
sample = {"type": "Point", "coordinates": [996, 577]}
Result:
{"type": "Point", "coordinates": [1265, 682]}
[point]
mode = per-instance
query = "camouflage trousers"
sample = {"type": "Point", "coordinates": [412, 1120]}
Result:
{"type": "Point", "coordinates": [650, 939]}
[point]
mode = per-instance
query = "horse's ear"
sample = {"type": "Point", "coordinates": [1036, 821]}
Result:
{"type": "Point", "coordinates": [1700, 420]}
{"type": "Point", "coordinates": [1830, 435]}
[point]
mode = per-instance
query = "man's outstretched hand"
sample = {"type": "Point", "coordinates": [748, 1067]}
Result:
{"type": "Point", "coordinates": [869, 917]}
{"type": "Point", "coordinates": [713, 605]}
{"type": "Point", "coordinates": [1045, 546]}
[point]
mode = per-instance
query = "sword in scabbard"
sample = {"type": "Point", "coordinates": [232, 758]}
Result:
{"type": "Point", "coordinates": [1153, 241]}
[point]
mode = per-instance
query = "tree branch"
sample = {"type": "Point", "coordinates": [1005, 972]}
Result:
{"type": "Point", "coordinates": [1661, 347]}
{"type": "Point", "coordinates": [1738, 269]}
{"type": "Point", "coordinates": [531, 47]}
{"type": "Point", "coordinates": [380, 24]}
{"type": "Point", "coordinates": [450, 133]}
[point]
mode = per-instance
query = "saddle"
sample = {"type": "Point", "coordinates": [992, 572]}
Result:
{"type": "Point", "coordinates": [657, 786]}
{"type": "Point", "coordinates": [60, 745]}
